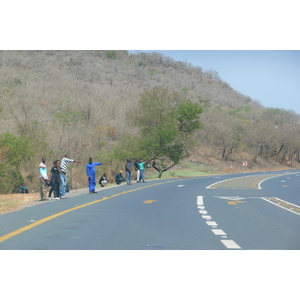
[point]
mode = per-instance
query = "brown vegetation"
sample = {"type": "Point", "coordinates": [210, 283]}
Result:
{"type": "Point", "coordinates": [76, 102]}
{"type": "Point", "coordinates": [13, 202]}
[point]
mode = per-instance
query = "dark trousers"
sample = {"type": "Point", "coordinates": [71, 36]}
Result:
{"type": "Point", "coordinates": [55, 183]}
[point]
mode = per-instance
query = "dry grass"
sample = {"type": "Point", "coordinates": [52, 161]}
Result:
{"type": "Point", "coordinates": [13, 202]}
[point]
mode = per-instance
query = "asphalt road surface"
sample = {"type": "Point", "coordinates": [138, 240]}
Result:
{"type": "Point", "coordinates": [232, 211]}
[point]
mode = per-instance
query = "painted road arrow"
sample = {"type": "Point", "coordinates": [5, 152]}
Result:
{"type": "Point", "coordinates": [149, 201]}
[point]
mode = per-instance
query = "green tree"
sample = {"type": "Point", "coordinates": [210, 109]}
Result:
{"type": "Point", "coordinates": [166, 121]}
{"type": "Point", "coordinates": [14, 150]}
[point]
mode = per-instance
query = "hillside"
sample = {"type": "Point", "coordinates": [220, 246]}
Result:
{"type": "Point", "coordinates": [57, 102]}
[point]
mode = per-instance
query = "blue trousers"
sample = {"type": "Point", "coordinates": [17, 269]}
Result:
{"type": "Point", "coordinates": [142, 176]}
{"type": "Point", "coordinates": [92, 183]}
{"type": "Point", "coordinates": [63, 184]}
{"type": "Point", "coordinates": [128, 176]}
{"type": "Point", "coordinates": [55, 186]}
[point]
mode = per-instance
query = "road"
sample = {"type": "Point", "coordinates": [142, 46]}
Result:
{"type": "Point", "coordinates": [232, 211]}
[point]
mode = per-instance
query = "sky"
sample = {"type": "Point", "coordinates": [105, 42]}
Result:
{"type": "Point", "coordinates": [271, 77]}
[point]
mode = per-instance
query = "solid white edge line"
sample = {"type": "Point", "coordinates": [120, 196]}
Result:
{"type": "Point", "coordinates": [227, 180]}
{"type": "Point", "coordinates": [290, 210]}
{"type": "Point", "coordinates": [259, 184]}
{"type": "Point", "coordinates": [292, 204]}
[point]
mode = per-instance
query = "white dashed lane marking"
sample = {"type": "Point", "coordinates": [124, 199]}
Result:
{"type": "Point", "coordinates": [229, 244]}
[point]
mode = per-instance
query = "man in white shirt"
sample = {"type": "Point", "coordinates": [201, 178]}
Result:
{"type": "Point", "coordinates": [44, 179]}
{"type": "Point", "coordinates": [63, 175]}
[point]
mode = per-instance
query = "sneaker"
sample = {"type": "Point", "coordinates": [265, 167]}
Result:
{"type": "Point", "coordinates": [63, 197]}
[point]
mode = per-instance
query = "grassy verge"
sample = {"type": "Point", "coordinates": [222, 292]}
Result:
{"type": "Point", "coordinates": [185, 169]}
{"type": "Point", "coordinates": [13, 202]}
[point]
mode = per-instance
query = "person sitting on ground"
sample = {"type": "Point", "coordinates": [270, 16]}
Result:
{"type": "Point", "coordinates": [103, 180]}
{"type": "Point", "coordinates": [23, 189]}
{"type": "Point", "coordinates": [119, 178]}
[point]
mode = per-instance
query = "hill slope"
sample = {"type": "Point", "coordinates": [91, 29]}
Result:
{"type": "Point", "coordinates": [76, 102]}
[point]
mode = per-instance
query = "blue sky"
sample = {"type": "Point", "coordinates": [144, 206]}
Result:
{"type": "Point", "coordinates": [270, 76]}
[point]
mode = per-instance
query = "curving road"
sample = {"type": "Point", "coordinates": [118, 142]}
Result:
{"type": "Point", "coordinates": [232, 211]}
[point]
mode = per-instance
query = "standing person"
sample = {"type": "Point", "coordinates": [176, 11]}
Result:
{"type": "Point", "coordinates": [91, 173]}
{"type": "Point", "coordinates": [54, 178]}
{"type": "Point", "coordinates": [128, 169]}
{"type": "Point", "coordinates": [63, 175]}
{"type": "Point", "coordinates": [51, 189]}
{"type": "Point", "coordinates": [137, 169]}
{"type": "Point", "coordinates": [103, 180]}
{"type": "Point", "coordinates": [142, 170]}
{"type": "Point", "coordinates": [44, 180]}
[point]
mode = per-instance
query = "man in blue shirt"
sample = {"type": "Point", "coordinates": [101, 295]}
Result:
{"type": "Point", "coordinates": [91, 173]}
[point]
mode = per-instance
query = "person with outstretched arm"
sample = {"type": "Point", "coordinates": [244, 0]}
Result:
{"type": "Point", "coordinates": [91, 173]}
{"type": "Point", "coordinates": [63, 175]}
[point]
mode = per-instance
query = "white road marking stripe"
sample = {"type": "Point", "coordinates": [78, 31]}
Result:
{"type": "Point", "coordinates": [211, 223]}
{"type": "Point", "coordinates": [259, 185]}
{"type": "Point", "coordinates": [200, 200]}
{"type": "Point", "coordinates": [230, 244]}
{"type": "Point", "coordinates": [288, 209]}
{"type": "Point", "coordinates": [208, 187]}
{"type": "Point", "coordinates": [292, 204]}
{"type": "Point", "coordinates": [231, 198]}
{"type": "Point", "coordinates": [218, 232]}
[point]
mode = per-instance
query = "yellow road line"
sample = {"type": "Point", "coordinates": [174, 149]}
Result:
{"type": "Point", "coordinates": [25, 228]}
{"type": "Point", "coordinates": [285, 204]}
{"type": "Point", "coordinates": [149, 201]}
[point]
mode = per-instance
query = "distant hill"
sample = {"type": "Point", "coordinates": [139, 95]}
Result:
{"type": "Point", "coordinates": [76, 101]}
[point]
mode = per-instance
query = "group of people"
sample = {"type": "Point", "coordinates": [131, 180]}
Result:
{"type": "Point", "coordinates": [139, 166]}
{"type": "Point", "coordinates": [57, 179]}
{"type": "Point", "coordinates": [58, 176]}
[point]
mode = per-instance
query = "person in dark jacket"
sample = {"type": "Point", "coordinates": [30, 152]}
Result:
{"type": "Point", "coordinates": [128, 169]}
{"type": "Point", "coordinates": [103, 180]}
{"type": "Point", "coordinates": [119, 178]}
{"type": "Point", "coordinates": [23, 189]}
{"type": "Point", "coordinates": [54, 179]}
